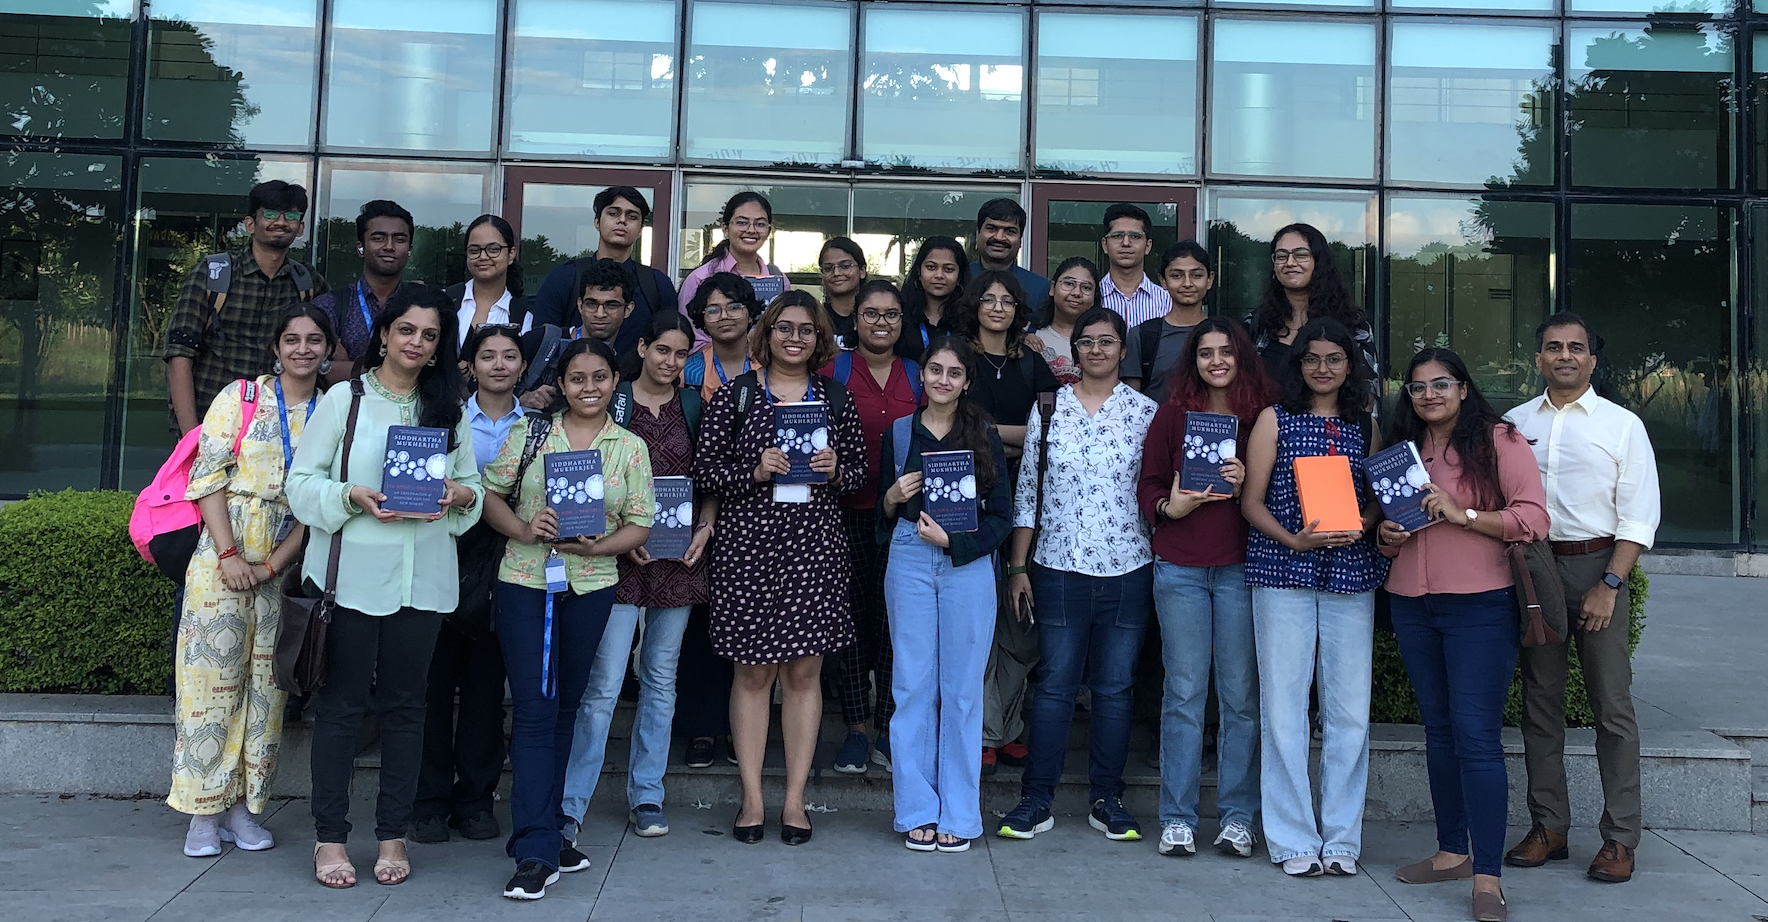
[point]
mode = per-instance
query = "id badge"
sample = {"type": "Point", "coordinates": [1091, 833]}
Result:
{"type": "Point", "coordinates": [556, 581]}
{"type": "Point", "coordinates": [284, 529]}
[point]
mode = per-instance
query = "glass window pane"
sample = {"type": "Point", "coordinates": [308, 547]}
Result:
{"type": "Point", "coordinates": [60, 217]}
{"type": "Point", "coordinates": [769, 83]}
{"type": "Point", "coordinates": [1472, 275]}
{"type": "Point", "coordinates": [558, 223]}
{"type": "Point", "coordinates": [1650, 107]}
{"type": "Point", "coordinates": [1476, 6]}
{"type": "Point", "coordinates": [891, 222]}
{"type": "Point", "coordinates": [943, 88]}
{"type": "Point", "coordinates": [1293, 99]}
{"type": "Point", "coordinates": [1291, 4]}
{"type": "Point", "coordinates": [1759, 91]}
{"type": "Point", "coordinates": [411, 74]}
{"type": "Point", "coordinates": [442, 199]}
{"type": "Point", "coordinates": [186, 209]}
{"type": "Point", "coordinates": [237, 72]}
{"type": "Point", "coordinates": [1758, 379]}
{"type": "Point", "coordinates": [1135, 72]}
{"type": "Point", "coordinates": [1242, 221]}
{"type": "Point", "coordinates": [1470, 103]}
{"type": "Point", "coordinates": [592, 77]}
{"type": "Point", "coordinates": [1074, 227]}
{"type": "Point", "coordinates": [1655, 281]}
{"type": "Point", "coordinates": [804, 215]}
{"type": "Point", "coordinates": [63, 68]}
{"type": "Point", "coordinates": [1717, 7]}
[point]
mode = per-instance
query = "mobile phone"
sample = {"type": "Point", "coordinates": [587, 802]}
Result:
{"type": "Point", "coordinates": [1027, 612]}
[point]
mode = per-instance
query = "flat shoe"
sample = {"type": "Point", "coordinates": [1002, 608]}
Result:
{"type": "Point", "coordinates": [322, 871]}
{"type": "Point", "coordinates": [1489, 907]}
{"type": "Point", "coordinates": [793, 835]}
{"type": "Point", "coordinates": [921, 845]}
{"type": "Point", "coordinates": [748, 835]}
{"type": "Point", "coordinates": [1423, 872]}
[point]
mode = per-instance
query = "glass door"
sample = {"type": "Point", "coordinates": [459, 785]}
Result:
{"type": "Point", "coordinates": [1066, 220]}
{"type": "Point", "coordinates": [553, 212]}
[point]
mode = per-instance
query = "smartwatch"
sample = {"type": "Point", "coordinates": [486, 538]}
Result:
{"type": "Point", "coordinates": [1611, 581]}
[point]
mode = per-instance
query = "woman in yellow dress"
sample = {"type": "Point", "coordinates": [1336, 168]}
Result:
{"type": "Point", "coordinates": [229, 711]}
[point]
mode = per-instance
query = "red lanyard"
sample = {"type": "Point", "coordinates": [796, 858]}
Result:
{"type": "Point", "coordinates": [1331, 436]}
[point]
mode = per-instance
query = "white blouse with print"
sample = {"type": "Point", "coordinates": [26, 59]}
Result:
{"type": "Point", "coordinates": [1091, 524]}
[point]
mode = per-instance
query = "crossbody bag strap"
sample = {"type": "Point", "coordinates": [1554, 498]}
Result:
{"type": "Point", "coordinates": [1046, 408]}
{"type": "Point", "coordinates": [337, 542]}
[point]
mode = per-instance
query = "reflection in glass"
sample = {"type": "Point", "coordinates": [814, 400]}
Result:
{"type": "Point", "coordinates": [943, 88]}
{"type": "Point", "coordinates": [1076, 228]}
{"type": "Point", "coordinates": [59, 222]}
{"type": "Point", "coordinates": [769, 83]}
{"type": "Point", "coordinates": [1293, 99]}
{"type": "Point", "coordinates": [442, 199]}
{"type": "Point", "coordinates": [411, 74]}
{"type": "Point", "coordinates": [1477, 6]}
{"type": "Point", "coordinates": [558, 223]}
{"type": "Point", "coordinates": [592, 77]}
{"type": "Point", "coordinates": [1241, 222]}
{"type": "Point", "coordinates": [1650, 107]}
{"type": "Point", "coordinates": [234, 72]}
{"type": "Point", "coordinates": [1655, 281]}
{"type": "Point", "coordinates": [890, 222]}
{"type": "Point", "coordinates": [64, 68]}
{"type": "Point", "coordinates": [1097, 69]}
{"type": "Point", "coordinates": [1759, 90]}
{"type": "Point", "coordinates": [804, 215]}
{"type": "Point", "coordinates": [1714, 7]}
{"type": "Point", "coordinates": [1757, 381]}
{"type": "Point", "coordinates": [1471, 104]}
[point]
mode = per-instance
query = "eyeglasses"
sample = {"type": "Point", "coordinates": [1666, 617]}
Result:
{"type": "Point", "coordinates": [492, 250]}
{"type": "Point", "coordinates": [802, 331]}
{"type": "Point", "coordinates": [270, 214]}
{"type": "Point", "coordinates": [1334, 361]}
{"type": "Point", "coordinates": [1126, 236]}
{"type": "Point", "coordinates": [990, 302]}
{"type": "Point", "coordinates": [743, 224]}
{"type": "Point", "coordinates": [1089, 343]}
{"type": "Point", "coordinates": [715, 311]}
{"type": "Point", "coordinates": [1070, 284]}
{"type": "Point", "coordinates": [1279, 257]}
{"type": "Point", "coordinates": [845, 265]}
{"type": "Point", "coordinates": [1436, 386]}
{"type": "Point", "coordinates": [871, 316]}
{"type": "Point", "coordinates": [601, 307]}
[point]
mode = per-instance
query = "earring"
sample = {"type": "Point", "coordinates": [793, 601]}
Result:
{"type": "Point", "coordinates": [325, 367]}
{"type": "Point", "coordinates": [432, 360]}
{"type": "Point", "coordinates": [276, 369]}
{"type": "Point", "coordinates": [383, 350]}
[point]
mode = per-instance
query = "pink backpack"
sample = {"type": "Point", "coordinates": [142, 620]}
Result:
{"type": "Point", "coordinates": [164, 525]}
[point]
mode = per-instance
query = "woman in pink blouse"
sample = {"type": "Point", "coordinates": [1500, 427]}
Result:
{"type": "Point", "coordinates": [1454, 609]}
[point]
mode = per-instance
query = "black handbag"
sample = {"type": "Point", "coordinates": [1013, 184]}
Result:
{"type": "Point", "coordinates": [480, 551]}
{"type": "Point", "coordinates": [300, 641]}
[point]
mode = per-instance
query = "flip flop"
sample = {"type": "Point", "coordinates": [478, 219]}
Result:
{"type": "Point", "coordinates": [923, 845]}
{"type": "Point", "coordinates": [323, 871]}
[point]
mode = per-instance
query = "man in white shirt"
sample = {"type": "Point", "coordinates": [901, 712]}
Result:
{"type": "Point", "coordinates": [1602, 496]}
{"type": "Point", "coordinates": [1127, 288]}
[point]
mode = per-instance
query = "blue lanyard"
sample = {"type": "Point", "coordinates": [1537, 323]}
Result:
{"type": "Point", "coordinates": [362, 304]}
{"type": "Point", "coordinates": [809, 390]}
{"type": "Point", "coordinates": [282, 410]}
{"type": "Point", "coordinates": [548, 681]}
{"type": "Point", "coordinates": [924, 336]}
{"type": "Point", "coordinates": [718, 366]}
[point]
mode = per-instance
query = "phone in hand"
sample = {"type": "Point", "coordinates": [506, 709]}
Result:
{"type": "Point", "coordinates": [1027, 612]}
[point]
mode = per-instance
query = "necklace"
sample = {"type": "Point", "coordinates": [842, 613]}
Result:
{"type": "Point", "coordinates": [997, 366]}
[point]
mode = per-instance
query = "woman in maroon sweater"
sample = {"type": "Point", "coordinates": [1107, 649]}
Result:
{"type": "Point", "coordinates": [1200, 592]}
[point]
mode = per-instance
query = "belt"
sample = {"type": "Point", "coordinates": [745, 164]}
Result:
{"type": "Point", "coordinates": [1575, 548]}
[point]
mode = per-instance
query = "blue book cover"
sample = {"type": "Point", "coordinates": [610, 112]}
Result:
{"type": "Point", "coordinates": [673, 525]}
{"type": "Point", "coordinates": [801, 430]}
{"type": "Point", "coordinates": [1210, 440]}
{"type": "Point", "coordinates": [948, 489]}
{"type": "Point", "coordinates": [417, 462]}
{"type": "Point", "coordinates": [574, 492]}
{"type": "Point", "coordinates": [767, 288]}
{"type": "Point", "coordinates": [1397, 476]}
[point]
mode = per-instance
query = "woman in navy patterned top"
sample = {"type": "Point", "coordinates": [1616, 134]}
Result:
{"type": "Point", "coordinates": [1313, 603]}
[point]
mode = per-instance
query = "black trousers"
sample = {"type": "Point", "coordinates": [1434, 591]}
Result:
{"type": "Point", "coordinates": [463, 750]}
{"type": "Point", "coordinates": [871, 653]}
{"type": "Point", "coordinates": [702, 681]}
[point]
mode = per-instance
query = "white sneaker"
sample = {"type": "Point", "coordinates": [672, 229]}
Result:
{"type": "Point", "coordinates": [1303, 866]}
{"type": "Point", "coordinates": [1341, 865]}
{"type": "Point", "coordinates": [1236, 839]}
{"type": "Point", "coordinates": [241, 828]}
{"type": "Point", "coordinates": [204, 838]}
{"type": "Point", "coordinates": [1179, 837]}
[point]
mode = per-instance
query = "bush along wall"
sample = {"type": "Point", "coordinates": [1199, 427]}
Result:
{"type": "Point", "coordinates": [80, 611]}
{"type": "Point", "coordinates": [1394, 703]}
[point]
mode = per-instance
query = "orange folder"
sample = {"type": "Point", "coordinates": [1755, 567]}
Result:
{"type": "Point", "coordinates": [1327, 493]}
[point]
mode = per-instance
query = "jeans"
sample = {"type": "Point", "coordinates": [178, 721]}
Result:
{"type": "Point", "coordinates": [463, 754]}
{"type": "Point", "coordinates": [1087, 626]}
{"type": "Point", "coordinates": [1303, 634]}
{"type": "Point", "coordinates": [385, 658]}
{"type": "Point", "coordinates": [541, 729]}
{"type": "Point", "coordinates": [660, 649]}
{"type": "Point", "coordinates": [942, 631]}
{"type": "Point", "coordinates": [1206, 613]}
{"type": "Point", "coordinates": [1460, 651]}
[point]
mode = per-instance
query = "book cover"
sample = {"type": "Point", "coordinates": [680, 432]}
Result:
{"type": "Point", "coordinates": [574, 492]}
{"type": "Point", "coordinates": [673, 526]}
{"type": "Point", "coordinates": [417, 462]}
{"type": "Point", "coordinates": [948, 489]}
{"type": "Point", "coordinates": [767, 287]}
{"type": "Point", "coordinates": [1328, 493]}
{"type": "Point", "coordinates": [1210, 440]}
{"type": "Point", "coordinates": [801, 430]}
{"type": "Point", "coordinates": [1397, 476]}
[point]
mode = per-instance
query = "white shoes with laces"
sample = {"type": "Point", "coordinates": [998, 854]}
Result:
{"type": "Point", "coordinates": [1177, 837]}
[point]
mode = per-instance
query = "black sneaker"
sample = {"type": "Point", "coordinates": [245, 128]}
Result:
{"type": "Point", "coordinates": [1026, 820]}
{"type": "Point", "coordinates": [571, 860]}
{"type": "Point", "coordinates": [481, 825]}
{"type": "Point", "coordinates": [430, 830]}
{"type": "Point", "coordinates": [1110, 818]}
{"type": "Point", "coordinates": [531, 880]}
{"type": "Point", "coordinates": [730, 750]}
{"type": "Point", "coordinates": [701, 752]}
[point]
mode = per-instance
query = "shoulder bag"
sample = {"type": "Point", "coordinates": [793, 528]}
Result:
{"type": "Point", "coordinates": [1540, 596]}
{"type": "Point", "coordinates": [300, 641]}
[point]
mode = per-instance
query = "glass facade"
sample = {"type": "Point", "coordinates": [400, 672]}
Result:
{"type": "Point", "coordinates": [1476, 166]}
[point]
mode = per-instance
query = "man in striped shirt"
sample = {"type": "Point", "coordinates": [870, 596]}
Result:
{"type": "Point", "coordinates": [1128, 289]}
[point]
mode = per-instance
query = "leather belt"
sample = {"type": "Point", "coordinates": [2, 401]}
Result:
{"type": "Point", "coordinates": [1575, 548]}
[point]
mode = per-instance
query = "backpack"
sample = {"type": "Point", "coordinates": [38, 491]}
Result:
{"type": "Point", "coordinates": [1149, 333]}
{"type": "Point", "coordinates": [220, 269]}
{"type": "Point", "coordinates": [748, 384]}
{"type": "Point", "coordinates": [164, 526]}
{"type": "Point", "coordinates": [902, 432]}
{"type": "Point", "coordinates": [624, 404]}
{"type": "Point", "coordinates": [844, 370]}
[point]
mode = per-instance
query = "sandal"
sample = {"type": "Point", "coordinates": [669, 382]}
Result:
{"type": "Point", "coordinates": [395, 870]}
{"type": "Point", "coordinates": [321, 872]}
{"type": "Point", "coordinates": [922, 845]}
{"type": "Point", "coordinates": [957, 843]}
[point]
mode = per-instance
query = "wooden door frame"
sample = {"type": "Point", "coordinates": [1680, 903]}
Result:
{"type": "Point", "coordinates": [662, 203]}
{"type": "Point", "coordinates": [1043, 193]}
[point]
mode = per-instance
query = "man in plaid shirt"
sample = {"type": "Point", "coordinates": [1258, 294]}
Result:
{"type": "Point", "coordinates": [207, 349]}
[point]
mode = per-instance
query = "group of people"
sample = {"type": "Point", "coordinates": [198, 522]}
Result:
{"type": "Point", "coordinates": [961, 650]}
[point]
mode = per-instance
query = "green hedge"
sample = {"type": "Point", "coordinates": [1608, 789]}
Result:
{"type": "Point", "coordinates": [80, 611]}
{"type": "Point", "coordinates": [1394, 703]}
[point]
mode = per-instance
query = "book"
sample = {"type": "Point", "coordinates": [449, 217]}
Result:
{"type": "Point", "coordinates": [948, 489]}
{"type": "Point", "coordinates": [673, 525]}
{"type": "Point", "coordinates": [1397, 476]}
{"type": "Point", "coordinates": [574, 493]}
{"type": "Point", "coordinates": [417, 462]}
{"type": "Point", "coordinates": [801, 430]}
{"type": "Point", "coordinates": [1328, 493]}
{"type": "Point", "coordinates": [1210, 440]}
{"type": "Point", "coordinates": [767, 287]}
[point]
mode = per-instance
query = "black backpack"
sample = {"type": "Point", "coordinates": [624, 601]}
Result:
{"type": "Point", "coordinates": [624, 404]}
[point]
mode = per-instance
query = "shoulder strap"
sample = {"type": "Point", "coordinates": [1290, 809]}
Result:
{"type": "Point", "coordinates": [647, 284]}
{"type": "Point", "coordinates": [220, 266]}
{"type": "Point", "coordinates": [913, 369]}
{"type": "Point", "coordinates": [1150, 333]}
{"type": "Point", "coordinates": [337, 542]}
{"type": "Point", "coordinates": [248, 408]}
{"type": "Point", "coordinates": [691, 404]}
{"type": "Point", "coordinates": [539, 427]}
{"type": "Point", "coordinates": [455, 293]}
{"type": "Point", "coordinates": [303, 279]}
{"type": "Point", "coordinates": [837, 400]}
{"type": "Point", "coordinates": [621, 411]}
{"type": "Point", "coordinates": [902, 432]}
{"type": "Point", "coordinates": [843, 366]}
{"type": "Point", "coordinates": [746, 385]}
{"type": "Point", "coordinates": [1046, 408]}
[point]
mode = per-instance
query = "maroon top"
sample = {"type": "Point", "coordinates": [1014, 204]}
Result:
{"type": "Point", "coordinates": [878, 408]}
{"type": "Point", "coordinates": [663, 583]}
{"type": "Point", "coordinates": [1214, 534]}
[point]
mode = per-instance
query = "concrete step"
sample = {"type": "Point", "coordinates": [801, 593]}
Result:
{"type": "Point", "coordinates": [1755, 739]}
{"type": "Point", "coordinates": [1759, 801]}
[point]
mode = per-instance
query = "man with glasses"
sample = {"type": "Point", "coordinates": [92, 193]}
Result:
{"type": "Point", "coordinates": [383, 240]}
{"type": "Point", "coordinates": [228, 306]}
{"type": "Point", "coordinates": [1127, 288]}
{"type": "Point", "coordinates": [1000, 226]}
{"type": "Point", "coordinates": [620, 216]}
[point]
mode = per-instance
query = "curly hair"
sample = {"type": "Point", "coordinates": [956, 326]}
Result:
{"type": "Point", "coordinates": [762, 334]}
{"type": "Point", "coordinates": [1328, 295]}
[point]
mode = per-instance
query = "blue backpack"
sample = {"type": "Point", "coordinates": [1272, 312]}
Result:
{"type": "Point", "coordinates": [844, 370]}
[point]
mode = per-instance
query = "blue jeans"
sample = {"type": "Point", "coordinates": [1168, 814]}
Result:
{"type": "Point", "coordinates": [541, 727]}
{"type": "Point", "coordinates": [659, 650]}
{"type": "Point", "coordinates": [942, 628]}
{"type": "Point", "coordinates": [1206, 613]}
{"type": "Point", "coordinates": [1460, 651]}
{"type": "Point", "coordinates": [1301, 634]}
{"type": "Point", "coordinates": [1088, 626]}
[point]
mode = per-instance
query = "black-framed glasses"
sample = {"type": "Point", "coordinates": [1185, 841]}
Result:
{"type": "Point", "coordinates": [715, 311]}
{"type": "Point", "coordinates": [271, 214]}
{"type": "Point", "coordinates": [613, 306]}
{"type": "Point", "coordinates": [1436, 386]}
{"type": "Point", "coordinates": [1299, 255]}
{"type": "Point", "coordinates": [492, 250]}
{"type": "Point", "coordinates": [889, 317]}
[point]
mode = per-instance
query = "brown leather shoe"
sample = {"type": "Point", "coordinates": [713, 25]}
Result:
{"type": "Point", "coordinates": [1537, 848]}
{"type": "Point", "coordinates": [1613, 865]}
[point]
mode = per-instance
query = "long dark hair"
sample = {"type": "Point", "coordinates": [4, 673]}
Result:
{"type": "Point", "coordinates": [878, 286]}
{"type": "Point", "coordinates": [512, 282]}
{"type": "Point", "coordinates": [971, 424]}
{"type": "Point", "coordinates": [320, 320]}
{"type": "Point", "coordinates": [1328, 295]}
{"type": "Point", "coordinates": [1476, 428]}
{"type": "Point", "coordinates": [577, 347]}
{"type": "Point", "coordinates": [845, 245]}
{"type": "Point", "coordinates": [1046, 312]}
{"type": "Point", "coordinates": [914, 297]}
{"type": "Point", "coordinates": [1353, 395]}
{"type": "Point", "coordinates": [967, 321]}
{"type": "Point", "coordinates": [438, 383]}
{"type": "Point", "coordinates": [1248, 393]}
{"type": "Point", "coordinates": [724, 220]}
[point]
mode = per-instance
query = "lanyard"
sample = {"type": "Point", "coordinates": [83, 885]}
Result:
{"type": "Point", "coordinates": [1331, 436]}
{"type": "Point", "coordinates": [556, 582]}
{"type": "Point", "coordinates": [924, 337]}
{"type": "Point", "coordinates": [362, 305]}
{"type": "Point", "coordinates": [718, 367]}
{"type": "Point", "coordinates": [809, 390]}
{"type": "Point", "coordinates": [282, 410]}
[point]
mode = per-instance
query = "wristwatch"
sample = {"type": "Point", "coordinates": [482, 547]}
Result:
{"type": "Point", "coordinates": [1472, 517]}
{"type": "Point", "coordinates": [1014, 571]}
{"type": "Point", "coordinates": [1611, 581]}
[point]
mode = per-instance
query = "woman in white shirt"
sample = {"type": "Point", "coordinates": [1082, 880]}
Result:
{"type": "Point", "coordinates": [493, 294]}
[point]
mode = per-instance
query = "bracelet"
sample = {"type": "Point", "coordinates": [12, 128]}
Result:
{"type": "Point", "coordinates": [700, 525]}
{"type": "Point", "coordinates": [269, 569]}
{"type": "Point", "coordinates": [230, 552]}
{"type": "Point", "coordinates": [1015, 571]}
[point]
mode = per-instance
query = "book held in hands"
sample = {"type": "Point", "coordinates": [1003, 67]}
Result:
{"type": "Point", "coordinates": [801, 430]}
{"type": "Point", "coordinates": [672, 527]}
{"type": "Point", "coordinates": [1328, 493]}
{"type": "Point", "coordinates": [1210, 440]}
{"type": "Point", "coordinates": [767, 287]}
{"type": "Point", "coordinates": [1397, 476]}
{"type": "Point", "coordinates": [413, 477]}
{"type": "Point", "coordinates": [574, 493]}
{"type": "Point", "coordinates": [948, 489]}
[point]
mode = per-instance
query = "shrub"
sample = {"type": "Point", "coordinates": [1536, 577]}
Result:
{"type": "Point", "coordinates": [1393, 701]}
{"type": "Point", "coordinates": [80, 611]}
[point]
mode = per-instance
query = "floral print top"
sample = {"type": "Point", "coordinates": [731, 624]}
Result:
{"type": "Point", "coordinates": [1091, 524]}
